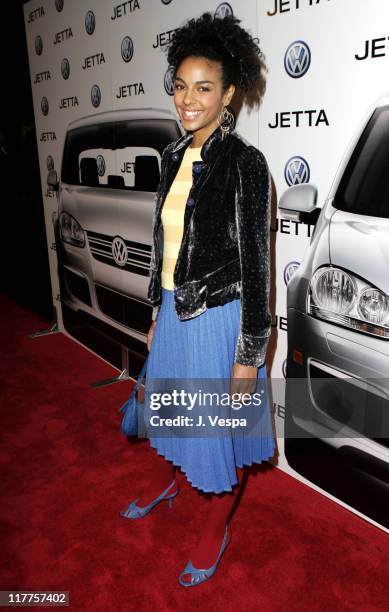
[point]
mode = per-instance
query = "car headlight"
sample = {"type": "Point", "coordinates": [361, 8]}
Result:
{"type": "Point", "coordinates": [373, 305]}
{"type": "Point", "coordinates": [334, 289]}
{"type": "Point", "coordinates": [71, 230]}
{"type": "Point", "coordinates": [341, 297]}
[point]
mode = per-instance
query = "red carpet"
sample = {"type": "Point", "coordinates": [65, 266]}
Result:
{"type": "Point", "coordinates": [67, 471]}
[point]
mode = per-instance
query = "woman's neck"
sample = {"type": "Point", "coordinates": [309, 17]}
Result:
{"type": "Point", "coordinates": [200, 136]}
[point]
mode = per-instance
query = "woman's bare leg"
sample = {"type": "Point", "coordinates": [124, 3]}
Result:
{"type": "Point", "coordinates": [220, 508]}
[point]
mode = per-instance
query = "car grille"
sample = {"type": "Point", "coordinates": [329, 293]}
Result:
{"type": "Point", "coordinates": [138, 254]}
{"type": "Point", "coordinates": [125, 310]}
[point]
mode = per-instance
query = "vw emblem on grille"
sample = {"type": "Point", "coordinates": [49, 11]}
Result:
{"type": "Point", "coordinates": [90, 22]}
{"type": "Point", "coordinates": [38, 45]}
{"type": "Point", "coordinates": [59, 5]}
{"type": "Point", "coordinates": [168, 80]}
{"type": "Point", "coordinates": [127, 49]}
{"type": "Point", "coordinates": [45, 105]}
{"type": "Point", "coordinates": [49, 163]}
{"type": "Point", "coordinates": [65, 68]}
{"type": "Point", "coordinates": [95, 95]}
{"type": "Point", "coordinates": [119, 251]}
{"type": "Point", "coordinates": [297, 171]}
{"type": "Point", "coordinates": [297, 59]}
{"type": "Point", "coordinates": [223, 10]}
{"type": "Point", "coordinates": [100, 162]}
{"type": "Point", "coordinates": [289, 270]}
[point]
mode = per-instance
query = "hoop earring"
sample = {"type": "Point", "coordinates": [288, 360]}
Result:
{"type": "Point", "coordinates": [226, 121]}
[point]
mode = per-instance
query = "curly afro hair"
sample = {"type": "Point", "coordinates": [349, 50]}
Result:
{"type": "Point", "coordinates": [222, 40]}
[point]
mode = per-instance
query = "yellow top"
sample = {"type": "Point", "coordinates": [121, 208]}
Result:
{"type": "Point", "coordinates": [173, 214]}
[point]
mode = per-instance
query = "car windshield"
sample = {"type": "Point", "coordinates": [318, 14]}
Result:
{"type": "Point", "coordinates": [122, 154]}
{"type": "Point", "coordinates": [364, 188]}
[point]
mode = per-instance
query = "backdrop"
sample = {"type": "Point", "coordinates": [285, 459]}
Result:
{"type": "Point", "coordinates": [102, 95]}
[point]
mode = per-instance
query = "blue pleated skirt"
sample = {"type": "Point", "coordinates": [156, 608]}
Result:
{"type": "Point", "coordinates": [203, 348]}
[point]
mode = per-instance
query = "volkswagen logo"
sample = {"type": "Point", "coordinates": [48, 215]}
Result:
{"type": "Point", "coordinates": [297, 59]}
{"type": "Point", "coordinates": [289, 270]}
{"type": "Point", "coordinates": [223, 10]}
{"type": "Point", "coordinates": [95, 95]}
{"type": "Point", "coordinates": [297, 171]}
{"type": "Point", "coordinates": [284, 367]}
{"type": "Point", "coordinates": [168, 80]}
{"type": "Point", "coordinates": [59, 5]}
{"type": "Point", "coordinates": [119, 251]}
{"type": "Point", "coordinates": [38, 45]}
{"type": "Point", "coordinates": [49, 163]}
{"type": "Point", "coordinates": [127, 49]}
{"type": "Point", "coordinates": [100, 161]}
{"type": "Point", "coordinates": [65, 68]}
{"type": "Point", "coordinates": [90, 22]}
{"type": "Point", "coordinates": [44, 105]}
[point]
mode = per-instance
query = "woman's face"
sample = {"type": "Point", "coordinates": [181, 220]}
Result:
{"type": "Point", "coordinates": [199, 97]}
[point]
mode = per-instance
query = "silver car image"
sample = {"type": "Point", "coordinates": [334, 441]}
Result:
{"type": "Point", "coordinates": [109, 174]}
{"type": "Point", "coordinates": [337, 386]}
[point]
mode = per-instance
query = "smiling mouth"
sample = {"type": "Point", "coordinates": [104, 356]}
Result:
{"type": "Point", "coordinates": [190, 115]}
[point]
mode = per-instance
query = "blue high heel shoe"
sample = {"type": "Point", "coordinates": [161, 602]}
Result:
{"type": "Point", "coordinates": [134, 511]}
{"type": "Point", "coordinates": [202, 575]}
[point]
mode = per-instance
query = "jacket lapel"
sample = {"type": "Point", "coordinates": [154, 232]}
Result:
{"type": "Point", "coordinates": [174, 155]}
{"type": "Point", "coordinates": [209, 151]}
{"type": "Point", "coordinates": [172, 163]}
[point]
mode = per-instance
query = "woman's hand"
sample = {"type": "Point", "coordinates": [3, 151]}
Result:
{"type": "Point", "coordinates": [150, 334]}
{"type": "Point", "coordinates": [244, 379]}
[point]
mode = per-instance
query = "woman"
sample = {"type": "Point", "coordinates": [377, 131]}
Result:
{"type": "Point", "coordinates": [209, 280]}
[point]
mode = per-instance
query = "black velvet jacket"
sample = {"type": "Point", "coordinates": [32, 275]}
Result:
{"type": "Point", "coordinates": [224, 253]}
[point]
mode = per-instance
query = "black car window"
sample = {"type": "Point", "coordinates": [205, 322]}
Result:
{"type": "Point", "coordinates": [364, 188]}
{"type": "Point", "coordinates": [136, 168]}
{"type": "Point", "coordinates": [88, 142]}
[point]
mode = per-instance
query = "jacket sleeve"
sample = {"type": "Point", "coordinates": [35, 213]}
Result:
{"type": "Point", "coordinates": [253, 206]}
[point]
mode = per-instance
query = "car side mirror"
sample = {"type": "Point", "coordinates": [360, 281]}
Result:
{"type": "Point", "coordinates": [52, 180]}
{"type": "Point", "coordinates": [299, 203]}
